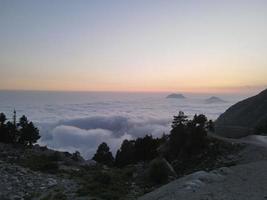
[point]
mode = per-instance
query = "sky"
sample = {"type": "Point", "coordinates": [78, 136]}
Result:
{"type": "Point", "coordinates": [133, 45]}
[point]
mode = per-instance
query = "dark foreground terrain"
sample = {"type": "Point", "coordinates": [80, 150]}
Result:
{"type": "Point", "coordinates": [41, 173]}
{"type": "Point", "coordinates": [246, 180]}
{"type": "Point", "coordinates": [191, 162]}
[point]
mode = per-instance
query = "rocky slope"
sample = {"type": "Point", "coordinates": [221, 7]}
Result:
{"type": "Point", "coordinates": [247, 178]}
{"type": "Point", "coordinates": [18, 183]}
{"type": "Point", "coordinates": [244, 181]}
{"type": "Point", "coordinates": [242, 118]}
{"type": "Point", "coordinates": [37, 174]}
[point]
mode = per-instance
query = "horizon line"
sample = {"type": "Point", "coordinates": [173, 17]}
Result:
{"type": "Point", "coordinates": [243, 89]}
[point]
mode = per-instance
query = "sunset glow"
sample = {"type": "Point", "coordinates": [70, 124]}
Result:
{"type": "Point", "coordinates": [193, 46]}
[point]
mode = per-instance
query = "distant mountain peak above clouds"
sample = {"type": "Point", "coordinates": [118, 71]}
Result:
{"type": "Point", "coordinates": [176, 96]}
{"type": "Point", "coordinates": [215, 99]}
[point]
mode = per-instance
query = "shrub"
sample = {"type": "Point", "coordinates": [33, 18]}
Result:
{"type": "Point", "coordinates": [76, 156]}
{"type": "Point", "coordinates": [158, 171]}
{"type": "Point", "coordinates": [45, 163]}
{"type": "Point", "coordinates": [110, 184]}
{"type": "Point", "coordinates": [102, 177]}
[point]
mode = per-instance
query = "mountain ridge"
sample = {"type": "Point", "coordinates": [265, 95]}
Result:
{"type": "Point", "coordinates": [249, 113]}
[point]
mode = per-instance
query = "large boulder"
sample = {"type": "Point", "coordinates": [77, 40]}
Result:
{"type": "Point", "coordinates": [243, 118]}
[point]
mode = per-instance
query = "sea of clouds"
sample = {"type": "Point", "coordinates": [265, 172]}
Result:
{"type": "Point", "coordinates": [81, 121]}
{"type": "Point", "coordinates": [85, 134]}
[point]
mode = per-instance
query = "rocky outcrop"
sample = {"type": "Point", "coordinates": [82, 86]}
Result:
{"type": "Point", "coordinates": [242, 118]}
{"type": "Point", "coordinates": [245, 180]}
{"type": "Point", "coordinates": [241, 182]}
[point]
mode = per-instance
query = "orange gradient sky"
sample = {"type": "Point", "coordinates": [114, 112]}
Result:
{"type": "Point", "coordinates": [191, 46]}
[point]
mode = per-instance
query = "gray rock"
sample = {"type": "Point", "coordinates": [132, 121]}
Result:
{"type": "Point", "coordinates": [51, 182]}
{"type": "Point", "coordinates": [241, 182]}
{"type": "Point", "coordinates": [242, 118]}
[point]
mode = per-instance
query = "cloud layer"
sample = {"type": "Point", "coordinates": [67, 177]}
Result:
{"type": "Point", "coordinates": [81, 121]}
{"type": "Point", "coordinates": [85, 134]}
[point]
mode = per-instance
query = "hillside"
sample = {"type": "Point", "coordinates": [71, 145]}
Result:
{"type": "Point", "coordinates": [243, 181]}
{"type": "Point", "coordinates": [245, 116]}
{"type": "Point", "coordinates": [141, 165]}
{"type": "Point", "coordinates": [246, 178]}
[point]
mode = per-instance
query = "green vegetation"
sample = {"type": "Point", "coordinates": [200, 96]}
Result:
{"type": "Point", "coordinates": [44, 163]}
{"type": "Point", "coordinates": [111, 183]}
{"type": "Point", "coordinates": [155, 161]}
{"type": "Point", "coordinates": [158, 171]}
{"type": "Point", "coordinates": [139, 166]}
{"type": "Point", "coordinates": [187, 138]}
{"type": "Point", "coordinates": [139, 150]}
{"type": "Point", "coordinates": [211, 157]}
{"type": "Point", "coordinates": [103, 155]}
{"type": "Point", "coordinates": [24, 132]}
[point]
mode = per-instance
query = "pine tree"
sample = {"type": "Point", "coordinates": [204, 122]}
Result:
{"type": "Point", "coordinates": [2, 119]}
{"type": "Point", "coordinates": [28, 133]}
{"type": "Point", "coordinates": [126, 154]}
{"type": "Point", "coordinates": [179, 119]}
{"type": "Point", "coordinates": [23, 132]}
{"type": "Point", "coordinates": [3, 129]}
{"type": "Point", "coordinates": [103, 155]}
